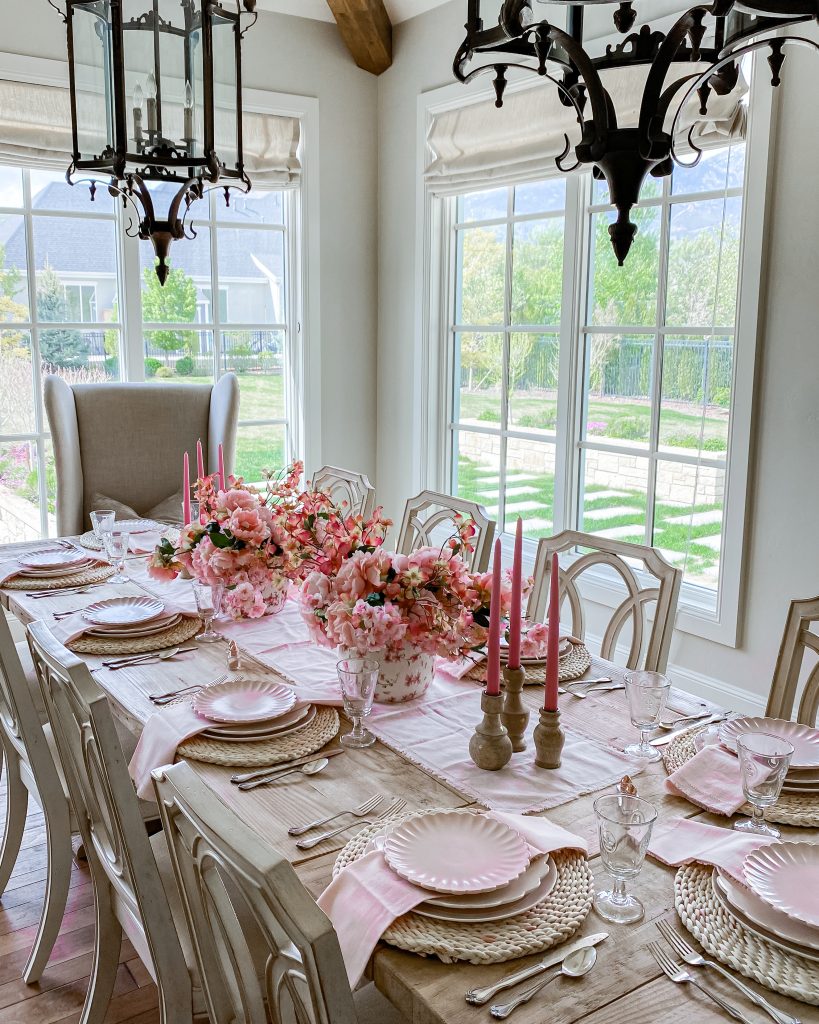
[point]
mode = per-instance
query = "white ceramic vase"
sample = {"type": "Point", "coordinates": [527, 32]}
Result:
{"type": "Point", "coordinates": [402, 677]}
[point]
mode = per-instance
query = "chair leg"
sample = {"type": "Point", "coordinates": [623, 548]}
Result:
{"type": "Point", "coordinates": [107, 945]}
{"type": "Point", "coordinates": [16, 811]}
{"type": "Point", "coordinates": [58, 839]}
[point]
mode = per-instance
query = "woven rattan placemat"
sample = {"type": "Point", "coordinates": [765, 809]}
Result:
{"type": "Point", "coordinates": [96, 574]}
{"type": "Point", "coordinates": [789, 809]}
{"type": "Point", "coordinates": [548, 924]}
{"type": "Point", "coordinates": [572, 666]}
{"type": "Point", "coordinates": [299, 743]}
{"type": "Point", "coordinates": [184, 630]}
{"type": "Point", "coordinates": [724, 937]}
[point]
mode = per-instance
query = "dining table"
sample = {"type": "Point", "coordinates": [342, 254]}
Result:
{"type": "Point", "coordinates": [626, 985]}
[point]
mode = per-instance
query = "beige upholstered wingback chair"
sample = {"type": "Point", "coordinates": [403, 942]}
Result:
{"type": "Point", "coordinates": [125, 442]}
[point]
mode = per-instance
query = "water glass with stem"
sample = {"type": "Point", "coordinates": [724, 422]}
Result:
{"type": "Point", "coordinates": [647, 693]}
{"type": "Point", "coordinates": [102, 520]}
{"type": "Point", "coordinates": [624, 824]}
{"type": "Point", "coordinates": [358, 678]}
{"type": "Point", "coordinates": [763, 764]}
{"type": "Point", "coordinates": [115, 542]}
{"type": "Point", "coordinates": [208, 597]}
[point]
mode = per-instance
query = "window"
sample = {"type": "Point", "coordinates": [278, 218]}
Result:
{"type": "Point", "coordinates": [584, 395]}
{"type": "Point", "coordinates": [70, 304]}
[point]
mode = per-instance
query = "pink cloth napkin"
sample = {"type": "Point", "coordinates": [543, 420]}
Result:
{"type": "Point", "coordinates": [73, 626]}
{"type": "Point", "coordinates": [458, 669]}
{"type": "Point", "coordinates": [686, 840]}
{"type": "Point", "coordinates": [711, 780]}
{"type": "Point", "coordinates": [161, 735]}
{"type": "Point", "coordinates": [366, 897]}
{"type": "Point", "coordinates": [144, 543]}
{"type": "Point", "coordinates": [8, 567]}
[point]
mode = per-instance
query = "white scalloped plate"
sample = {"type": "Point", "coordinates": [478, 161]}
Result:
{"type": "Point", "coordinates": [139, 525]}
{"type": "Point", "coordinates": [786, 877]}
{"type": "Point", "coordinates": [531, 879]}
{"type": "Point", "coordinates": [804, 739]}
{"type": "Point", "coordinates": [134, 632]}
{"type": "Point", "coordinates": [244, 700]}
{"type": "Point", "coordinates": [456, 852]}
{"type": "Point", "coordinates": [298, 718]}
{"type": "Point", "coordinates": [123, 611]}
{"type": "Point", "coordinates": [54, 558]}
{"type": "Point", "coordinates": [478, 915]}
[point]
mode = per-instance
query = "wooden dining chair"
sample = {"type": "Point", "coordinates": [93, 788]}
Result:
{"type": "Point", "coordinates": [266, 952]}
{"type": "Point", "coordinates": [32, 771]}
{"type": "Point", "coordinates": [429, 520]}
{"type": "Point", "coordinates": [347, 485]}
{"type": "Point", "coordinates": [649, 646]}
{"type": "Point", "coordinates": [795, 685]}
{"type": "Point", "coordinates": [134, 888]}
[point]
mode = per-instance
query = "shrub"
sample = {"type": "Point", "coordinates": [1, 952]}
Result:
{"type": "Point", "coordinates": [721, 397]}
{"type": "Point", "coordinates": [629, 428]}
{"type": "Point", "coordinates": [710, 444]}
{"type": "Point", "coordinates": [152, 366]}
{"type": "Point", "coordinates": [489, 416]}
{"type": "Point", "coordinates": [544, 420]}
{"type": "Point", "coordinates": [164, 372]}
{"type": "Point", "coordinates": [715, 444]}
{"type": "Point", "coordinates": [184, 366]}
{"type": "Point", "coordinates": [112, 366]}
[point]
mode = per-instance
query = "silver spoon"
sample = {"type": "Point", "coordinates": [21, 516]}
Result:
{"type": "Point", "coordinates": [313, 768]}
{"type": "Point", "coordinates": [575, 965]}
{"type": "Point", "coordinates": [141, 659]}
{"type": "Point", "coordinates": [684, 721]}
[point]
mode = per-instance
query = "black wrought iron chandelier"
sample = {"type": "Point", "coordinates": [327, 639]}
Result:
{"type": "Point", "coordinates": [156, 97]}
{"type": "Point", "coordinates": [718, 35]}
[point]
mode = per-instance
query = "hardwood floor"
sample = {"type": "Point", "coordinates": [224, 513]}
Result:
{"type": "Point", "coordinates": [58, 997]}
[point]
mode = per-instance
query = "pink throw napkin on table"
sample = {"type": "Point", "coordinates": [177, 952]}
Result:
{"type": "Point", "coordinates": [686, 840]}
{"type": "Point", "coordinates": [144, 543]}
{"type": "Point", "coordinates": [366, 897]}
{"type": "Point", "coordinates": [711, 780]}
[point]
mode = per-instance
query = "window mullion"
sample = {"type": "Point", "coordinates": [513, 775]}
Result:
{"type": "Point", "coordinates": [130, 299]}
{"type": "Point", "coordinates": [215, 303]}
{"type": "Point", "coordinates": [506, 357]}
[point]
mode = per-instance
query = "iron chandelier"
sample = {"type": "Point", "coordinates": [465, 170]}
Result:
{"type": "Point", "coordinates": [717, 35]}
{"type": "Point", "coordinates": [156, 97]}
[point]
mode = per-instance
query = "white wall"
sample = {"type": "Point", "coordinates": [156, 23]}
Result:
{"type": "Point", "coordinates": [307, 58]}
{"type": "Point", "coordinates": [782, 559]}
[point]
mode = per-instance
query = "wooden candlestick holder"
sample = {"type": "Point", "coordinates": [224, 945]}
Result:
{"type": "Point", "coordinates": [490, 747]}
{"type": "Point", "coordinates": [549, 739]}
{"type": "Point", "coordinates": [514, 716]}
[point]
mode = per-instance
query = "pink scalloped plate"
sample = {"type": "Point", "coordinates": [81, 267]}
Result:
{"type": "Point", "coordinates": [804, 739]}
{"type": "Point", "coordinates": [54, 558]}
{"type": "Point", "coordinates": [786, 877]}
{"type": "Point", "coordinates": [244, 700]}
{"type": "Point", "coordinates": [456, 852]}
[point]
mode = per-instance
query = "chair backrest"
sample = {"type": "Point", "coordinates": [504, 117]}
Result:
{"type": "Point", "coordinates": [649, 652]}
{"type": "Point", "coordinates": [429, 520]}
{"type": "Point", "coordinates": [108, 814]}
{"type": "Point", "coordinates": [791, 668]}
{"type": "Point", "coordinates": [347, 485]}
{"type": "Point", "coordinates": [259, 937]}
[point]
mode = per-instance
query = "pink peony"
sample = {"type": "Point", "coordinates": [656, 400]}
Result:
{"type": "Point", "coordinates": [247, 525]}
{"type": "Point", "coordinates": [237, 498]}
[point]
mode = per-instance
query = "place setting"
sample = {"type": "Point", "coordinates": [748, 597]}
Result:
{"type": "Point", "coordinates": [57, 567]}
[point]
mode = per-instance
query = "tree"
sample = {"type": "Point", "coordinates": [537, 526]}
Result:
{"type": "Point", "coordinates": [173, 303]}
{"type": "Point", "coordinates": [11, 311]}
{"type": "Point", "coordinates": [62, 346]}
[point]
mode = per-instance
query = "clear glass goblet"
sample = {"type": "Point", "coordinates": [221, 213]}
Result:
{"type": "Point", "coordinates": [624, 824]}
{"type": "Point", "coordinates": [647, 693]}
{"type": "Point", "coordinates": [208, 597]}
{"type": "Point", "coordinates": [102, 521]}
{"type": "Point", "coordinates": [358, 678]}
{"type": "Point", "coordinates": [115, 542]}
{"type": "Point", "coordinates": [763, 764]}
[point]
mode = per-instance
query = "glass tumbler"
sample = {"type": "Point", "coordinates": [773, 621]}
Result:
{"type": "Point", "coordinates": [647, 693]}
{"type": "Point", "coordinates": [208, 603]}
{"type": "Point", "coordinates": [115, 542]}
{"type": "Point", "coordinates": [763, 764]}
{"type": "Point", "coordinates": [624, 824]}
{"type": "Point", "coordinates": [358, 678]}
{"type": "Point", "coordinates": [102, 520]}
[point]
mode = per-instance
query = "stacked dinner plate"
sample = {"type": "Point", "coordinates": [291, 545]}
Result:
{"type": "Point", "coordinates": [803, 774]}
{"type": "Point", "coordinates": [54, 563]}
{"type": "Point", "coordinates": [245, 710]}
{"type": "Point", "coordinates": [475, 868]}
{"type": "Point", "coordinates": [128, 618]}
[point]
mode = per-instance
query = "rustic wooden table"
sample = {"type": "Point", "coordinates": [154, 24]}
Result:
{"type": "Point", "coordinates": [626, 986]}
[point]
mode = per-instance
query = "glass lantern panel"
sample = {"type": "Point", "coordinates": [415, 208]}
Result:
{"type": "Point", "coordinates": [225, 89]}
{"type": "Point", "coordinates": [91, 69]}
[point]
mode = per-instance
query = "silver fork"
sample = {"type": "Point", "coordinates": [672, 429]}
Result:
{"type": "Point", "coordinates": [166, 698]}
{"type": "Point", "coordinates": [679, 975]}
{"type": "Point", "coordinates": [694, 959]}
{"type": "Point", "coordinates": [394, 808]}
{"type": "Point", "coordinates": [359, 812]}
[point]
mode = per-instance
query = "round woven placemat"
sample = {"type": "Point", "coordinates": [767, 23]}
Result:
{"type": "Point", "coordinates": [178, 634]}
{"type": "Point", "coordinates": [98, 574]}
{"type": "Point", "coordinates": [548, 924]}
{"type": "Point", "coordinates": [724, 937]}
{"type": "Point", "coordinates": [89, 540]}
{"type": "Point", "coordinates": [789, 809]}
{"type": "Point", "coordinates": [572, 666]}
{"type": "Point", "coordinates": [298, 743]}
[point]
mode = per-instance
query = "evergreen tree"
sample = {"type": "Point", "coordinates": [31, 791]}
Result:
{"type": "Point", "coordinates": [62, 346]}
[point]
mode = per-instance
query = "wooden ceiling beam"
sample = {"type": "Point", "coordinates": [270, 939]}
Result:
{"type": "Point", "coordinates": [366, 30]}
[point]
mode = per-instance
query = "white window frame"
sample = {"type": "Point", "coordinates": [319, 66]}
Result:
{"type": "Point", "coordinates": [699, 613]}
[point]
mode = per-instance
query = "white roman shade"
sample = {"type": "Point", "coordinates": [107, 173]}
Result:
{"type": "Point", "coordinates": [35, 131]}
{"type": "Point", "coordinates": [477, 145]}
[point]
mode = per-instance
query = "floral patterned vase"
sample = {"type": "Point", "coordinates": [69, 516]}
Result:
{"type": "Point", "coordinates": [404, 676]}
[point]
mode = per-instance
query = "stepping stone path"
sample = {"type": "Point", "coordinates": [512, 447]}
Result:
{"type": "Point", "coordinates": [605, 495]}
{"type": "Point", "coordinates": [611, 513]}
{"type": "Point", "coordinates": [533, 525]}
{"type": "Point", "coordinates": [714, 543]}
{"type": "Point", "coordinates": [619, 532]}
{"type": "Point", "coordinates": [713, 515]}
{"type": "Point", "coordinates": [513, 509]}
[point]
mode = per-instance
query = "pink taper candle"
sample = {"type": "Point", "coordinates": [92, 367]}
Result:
{"type": "Point", "coordinates": [200, 462]}
{"type": "Point", "coordinates": [493, 644]}
{"type": "Point", "coordinates": [517, 599]}
{"type": "Point", "coordinates": [186, 489]}
{"type": "Point", "coordinates": [221, 468]}
{"type": "Point", "coordinates": [553, 639]}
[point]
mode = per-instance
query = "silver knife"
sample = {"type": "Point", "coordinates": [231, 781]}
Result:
{"type": "Point", "coordinates": [661, 741]}
{"type": "Point", "coordinates": [274, 769]}
{"type": "Point", "coordinates": [480, 996]}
